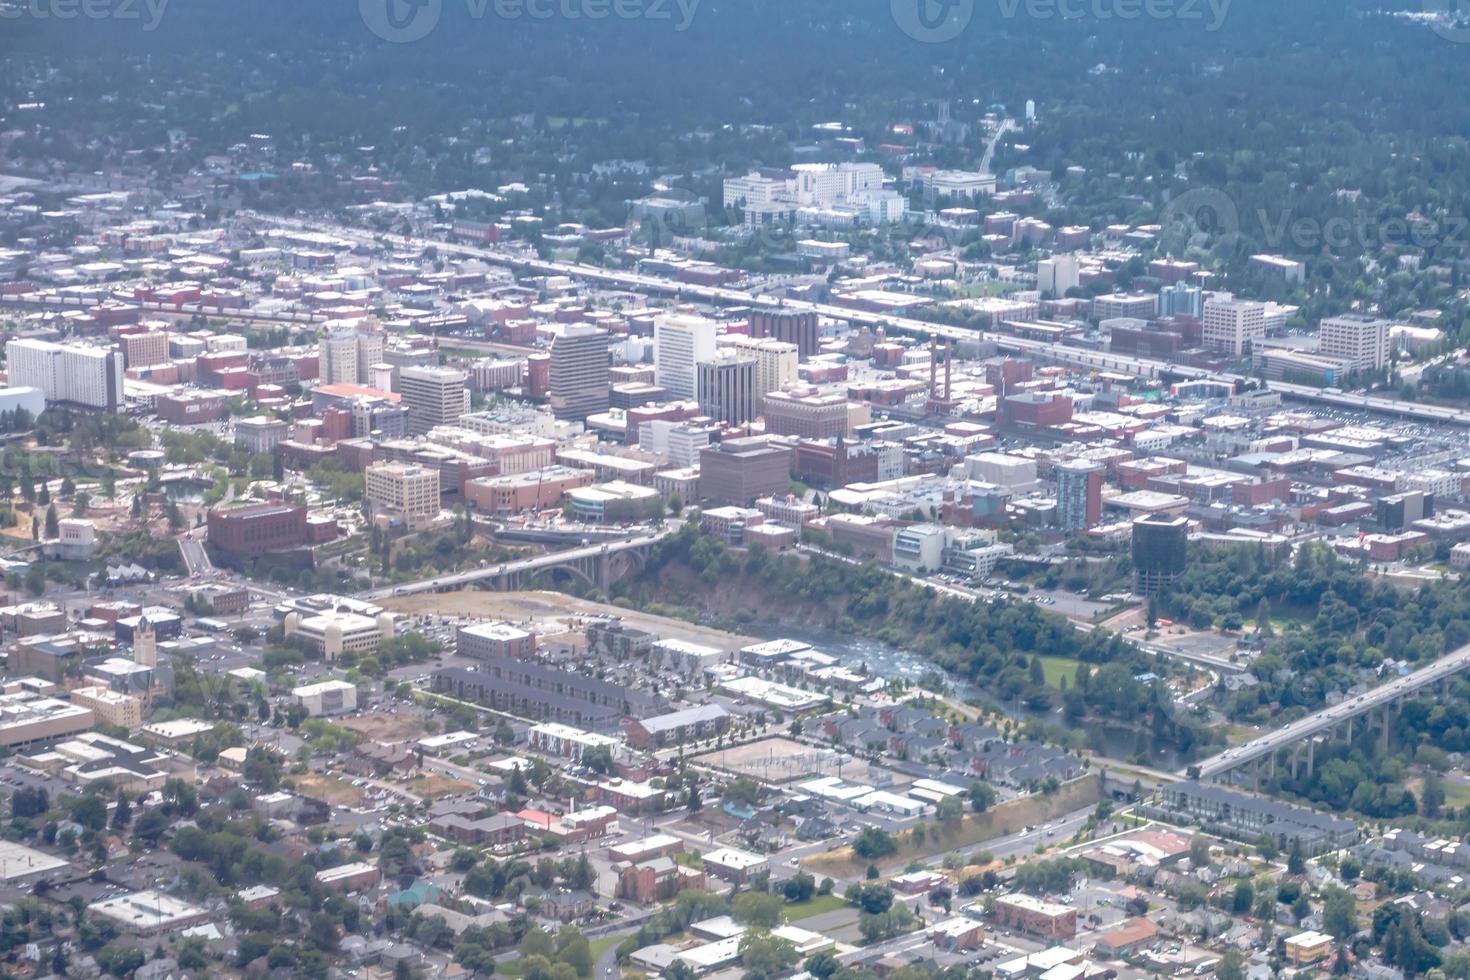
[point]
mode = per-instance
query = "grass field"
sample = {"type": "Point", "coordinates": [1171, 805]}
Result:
{"type": "Point", "coordinates": [816, 905]}
{"type": "Point", "coordinates": [1058, 667]}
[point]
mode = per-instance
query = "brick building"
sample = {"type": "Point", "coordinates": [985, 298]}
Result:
{"type": "Point", "coordinates": [740, 470]}
{"type": "Point", "coordinates": [253, 529]}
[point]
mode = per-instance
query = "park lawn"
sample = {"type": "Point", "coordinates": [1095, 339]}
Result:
{"type": "Point", "coordinates": [1058, 667]}
{"type": "Point", "coordinates": [816, 905]}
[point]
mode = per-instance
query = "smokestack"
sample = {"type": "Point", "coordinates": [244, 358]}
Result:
{"type": "Point", "coordinates": [948, 370]}
{"type": "Point", "coordinates": [933, 367]}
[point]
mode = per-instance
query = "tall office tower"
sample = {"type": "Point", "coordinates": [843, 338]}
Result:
{"type": "Point", "coordinates": [727, 388]}
{"type": "Point", "coordinates": [1363, 340]}
{"type": "Point", "coordinates": [91, 377]}
{"type": "Point", "coordinates": [1181, 299]}
{"type": "Point", "coordinates": [347, 354]}
{"type": "Point", "coordinates": [1233, 325]}
{"type": "Point", "coordinates": [800, 329]}
{"type": "Point", "coordinates": [680, 341]}
{"type": "Point", "coordinates": [579, 384]}
{"type": "Point", "coordinates": [775, 364]}
{"type": "Point", "coordinates": [1056, 275]}
{"type": "Point", "coordinates": [1159, 543]}
{"type": "Point", "coordinates": [432, 395]}
{"type": "Point", "coordinates": [1079, 494]}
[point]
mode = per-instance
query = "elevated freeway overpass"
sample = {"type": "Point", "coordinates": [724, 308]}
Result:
{"type": "Point", "coordinates": [1294, 745]}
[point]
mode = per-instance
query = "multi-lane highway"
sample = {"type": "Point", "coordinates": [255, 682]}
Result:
{"type": "Point", "coordinates": [1302, 729]}
{"type": "Point", "coordinates": [1061, 353]}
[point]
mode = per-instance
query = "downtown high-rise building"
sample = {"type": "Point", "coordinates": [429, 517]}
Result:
{"type": "Point", "coordinates": [1079, 494]}
{"type": "Point", "coordinates": [775, 364]}
{"type": "Point", "coordinates": [433, 396]}
{"type": "Point", "coordinates": [1159, 551]}
{"type": "Point", "coordinates": [579, 384]}
{"type": "Point", "coordinates": [727, 388]}
{"type": "Point", "coordinates": [346, 355]}
{"type": "Point", "coordinates": [82, 375]}
{"type": "Point", "coordinates": [801, 329]}
{"type": "Point", "coordinates": [680, 342]}
{"type": "Point", "coordinates": [1181, 299]}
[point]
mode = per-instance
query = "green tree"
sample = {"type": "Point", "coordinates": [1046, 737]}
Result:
{"type": "Point", "coordinates": [764, 956]}
{"type": "Point", "coordinates": [53, 524]}
{"type": "Point", "coordinates": [982, 796]}
{"type": "Point", "coordinates": [874, 844]}
{"type": "Point", "coordinates": [122, 814]}
{"type": "Point", "coordinates": [757, 909]}
{"type": "Point", "coordinates": [1231, 966]}
{"type": "Point", "coordinates": [1339, 913]}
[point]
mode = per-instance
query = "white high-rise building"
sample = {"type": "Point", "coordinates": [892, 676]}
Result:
{"type": "Point", "coordinates": [348, 354]}
{"type": "Point", "coordinates": [755, 189]}
{"type": "Point", "coordinates": [678, 442]}
{"type": "Point", "coordinates": [1056, 275]}
{"type": "Point", "coordinates": [91, 377]}
{"type": "Point", "coordinates": [1363, 340]}
{"type": "Point", "coordinates": [680, 342]}
{"type": "Point", "coordinates": [821, 184]}
{"type": "Point", "coordinates": [1233, 324]}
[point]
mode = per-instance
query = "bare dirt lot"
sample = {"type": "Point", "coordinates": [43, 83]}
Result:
{"type": "Point", "coordinates": [381, 727]}
{"type": "Point", "coordinates": [328, 789]}
{"type": "Point", "coordinates": [782, 760]}
{"type": "Point", "coordinates": [433, 786]}
{"type": "Point", "coordinates": [553, 612]}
